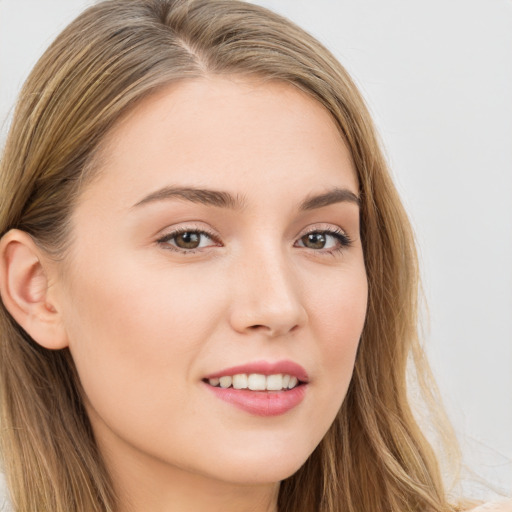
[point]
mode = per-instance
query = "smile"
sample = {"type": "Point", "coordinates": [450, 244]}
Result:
{"type": "Point", "coordinates": [261, 388]}
{"type": "Point", "coordinates": [256, 382]}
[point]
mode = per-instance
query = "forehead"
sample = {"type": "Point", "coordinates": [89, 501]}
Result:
{"type": "Point", "coordinates": [225, 132]}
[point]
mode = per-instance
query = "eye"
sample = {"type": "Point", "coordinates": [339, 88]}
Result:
{"type": "Point", "coordinates": [187, 240]}
{"type": "Point", "coordinates": [190, 240]}
{"type": "Point", "coordinates": [330, 241]}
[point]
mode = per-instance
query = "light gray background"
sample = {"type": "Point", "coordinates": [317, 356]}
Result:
{"type": "Point", "coordinates": [438, 79]}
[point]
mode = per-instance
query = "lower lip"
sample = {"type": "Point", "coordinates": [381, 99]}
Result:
{"type": "Point", "coordinates": [261, 403]}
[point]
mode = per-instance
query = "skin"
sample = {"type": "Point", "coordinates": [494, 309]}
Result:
{"type": "Point", "coordinates": [145, 323]}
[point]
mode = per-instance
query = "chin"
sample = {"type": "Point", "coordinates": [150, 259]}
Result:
{"type": "Point", "coordinates": [261, 468]}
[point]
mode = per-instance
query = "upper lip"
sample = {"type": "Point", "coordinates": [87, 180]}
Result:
{"type": "Point", "coordinates": [264, 368]}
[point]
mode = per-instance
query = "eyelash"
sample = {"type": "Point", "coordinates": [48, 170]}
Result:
{"type": "Point", "coordinates": [343, 239]}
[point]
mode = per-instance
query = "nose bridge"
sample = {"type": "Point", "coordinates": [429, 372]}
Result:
{"type": "Point", "coordinates": [268, 296]}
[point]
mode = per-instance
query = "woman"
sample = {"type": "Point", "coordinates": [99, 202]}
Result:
{"type": "Point", "coordinates": [209, 284]}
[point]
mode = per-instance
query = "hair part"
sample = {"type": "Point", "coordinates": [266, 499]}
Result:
{"type": "Point", "coordinates": [374, 457]}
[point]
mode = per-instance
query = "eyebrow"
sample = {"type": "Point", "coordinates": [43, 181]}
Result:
{"type": "Point", "coordinates": [222, 199]}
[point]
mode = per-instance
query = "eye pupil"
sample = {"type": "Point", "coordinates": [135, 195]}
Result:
{"type": "Point", "coordinates": [187, 240]}
{"type": "Point", "coordinates": [314, 240]}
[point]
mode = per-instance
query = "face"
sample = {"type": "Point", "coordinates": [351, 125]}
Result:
{"type": "Point", "coordinates": [220, 238]}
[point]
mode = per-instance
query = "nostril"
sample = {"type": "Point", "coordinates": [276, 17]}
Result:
{"type": "Point", "coordinates": [272, 331]}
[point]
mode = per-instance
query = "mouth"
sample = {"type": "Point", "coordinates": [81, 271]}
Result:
{"type": "Point", "coordinates": [261, 388]}
{"type": "Point", "coordinates": [256, 382]}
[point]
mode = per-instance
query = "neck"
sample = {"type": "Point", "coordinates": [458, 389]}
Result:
{"type": "Point", "coordinates": [190, 493]}
{"type": "Point", "coordinates": [143, 484]}
{"type": "Point", "coordinates": [193, 494]}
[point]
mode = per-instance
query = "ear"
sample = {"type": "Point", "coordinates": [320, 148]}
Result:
{"type": "Point", "coordinates": [26, 292]}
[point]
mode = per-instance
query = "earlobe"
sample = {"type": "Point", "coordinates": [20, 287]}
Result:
{"type": "Point", "coordinates": [25, 291]}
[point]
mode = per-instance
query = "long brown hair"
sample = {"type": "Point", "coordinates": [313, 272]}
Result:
{"type": "Point", "coordinates": [374, 457]}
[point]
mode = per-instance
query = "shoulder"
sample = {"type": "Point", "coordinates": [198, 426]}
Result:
{"type": "Point", "coordinates": [502, 506]}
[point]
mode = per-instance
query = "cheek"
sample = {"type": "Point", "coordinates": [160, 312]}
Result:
{"type": "Point", "coordinates": [338, 307]}
{"type": "Point", "coordinates": [338, 317]}
{"type": "Point", "coordinates": [128, 333]}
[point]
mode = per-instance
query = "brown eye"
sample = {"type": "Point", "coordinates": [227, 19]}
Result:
{"type": "Point", "coordinates": [188, 240]}
{"type": "Point", "coordinates": [325, 241]}
{"type": "Point", "coordinates": [314, 240]}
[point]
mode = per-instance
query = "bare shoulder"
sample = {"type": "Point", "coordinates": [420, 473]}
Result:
{"type": "Point", "coordinates": [502, 506]}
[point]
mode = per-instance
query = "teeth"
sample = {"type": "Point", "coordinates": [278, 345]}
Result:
{"type": "Point", "coordinates": [240, 381]}
{"type": "Point", "coordinates": [275, 382]}
{"type": "Point", "coordinates": [225, 382]}
{"type": "Point", "coordinates": [256, 382]}
{"type": "Point", "coordinates": [293, 382]}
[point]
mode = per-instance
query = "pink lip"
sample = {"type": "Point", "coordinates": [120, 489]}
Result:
{"type": "Point", "coordinates": [262, 403]}
{"type": "Point", "coordinates": [264, 368]}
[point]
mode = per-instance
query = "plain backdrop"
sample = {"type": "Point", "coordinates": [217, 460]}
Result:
{"type": "Point", "coordinates": [437, 76]}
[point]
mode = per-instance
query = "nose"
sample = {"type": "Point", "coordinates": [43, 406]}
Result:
{"type": "Point", "coordinates": [266, 296]}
